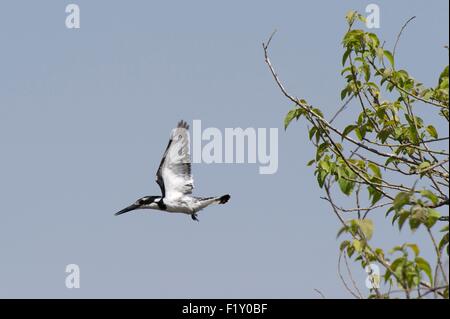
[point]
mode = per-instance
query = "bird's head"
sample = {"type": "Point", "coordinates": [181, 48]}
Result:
{"type": "Point", "coordinates": [141, 203]}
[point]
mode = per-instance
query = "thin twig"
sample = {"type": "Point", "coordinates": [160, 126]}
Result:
{"type": "Point", "coordinates": [357, 209]}
{"type": "Point", "coordinates": [438, 254]}
{"type": "Point", "coordinates": [343, 280]}
{"type": "Point", "coordinates": [320, 293]}
{"type": "Point", "coordinates": [341, 109]}
{"type": "Point", "coordinates": [350, 275]}
{"type": "Point", "coordinates": [400, 34]}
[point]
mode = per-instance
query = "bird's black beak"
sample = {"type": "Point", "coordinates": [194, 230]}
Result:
{"type": "Point", "coordinates": [127, 209]}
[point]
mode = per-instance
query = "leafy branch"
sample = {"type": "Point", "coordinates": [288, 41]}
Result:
{"type": "Point", "coordinates": [387, 159]}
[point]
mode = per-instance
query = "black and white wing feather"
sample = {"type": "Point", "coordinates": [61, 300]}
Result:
{"type": "Point", "coordinates": [174, 173]}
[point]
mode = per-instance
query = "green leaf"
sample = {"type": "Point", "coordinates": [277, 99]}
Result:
{"type": "Point", "coordinates": [344, 245]}
{"type": "Point", "coordinates": [401, 200]}
{"type": "Point", "coordinates": [397, 263]}
{"type": "Point", "coordinates": [402, 218]}
{"type": "Point", "coordinates": [324, 164]}
{"type": "Point", "coordinates": [390, 57]}
{"type": "Point", "coordinates": [357, 245]}
{"type": "Point", "coordinates": [375, 40]}
{"type": "Point", "coordinates": [359, 133]}
{"type": "Point", "coordinates": [321, 149]}
{"type": "Point", "coordinates": [425, 267]}
{"type": "Point", "coordinates": [380, 54]}
{"type": "Point", "coordinates": [414, 223]}
{"type": "Point", "coordinates": [430, 195]}
{"type": "Point", "coordinates": [350, 251]}
{"type": "Point", "coordinates": [347, 130]}
{"type": "Point", "coordinates": [351, 16]}
{"type": "Point", "coordinates": [366, 69]}
{"type": "Point", "coordinates": [432, 131]}
{"type": "Point", "coordinates": [366, 227]}
{"type": "Point", "coordinates": [347, 69]}
{"type": "Point", "coordinates": [311, 162]}
{"type": "Point", "coordinates": [343, 229]}
{"type": "Point", "coordinates": [379, 252]}
{"type": "Point", "coordinates": [443, 242]}
{"type": "Point", "coordinates": [321, 177]}
{"type": "Point", "coordinates": [432, 217]}
{"type": "Point", "coordinates": [361, 18]}
{"type": "Point", "coordinates": [390, 160]}
{"type": "Point", "coordinates": [423, 166]}
{"type": "Point", "coordinates": [375, 194]}
{"type": "Point", "coordinates": [414, 248]}
{"type": "Point", "coordinates": [344, 93]}
{"type": "Point", "coordinates": [295, 113]}
{"type": "Point", "coordinates": [312, 131]}
{"type": "Point", "coordinates": [317, 112]}
{"type": "Point", "coordinates": [345, 185]}
{"type": "Point", "coordinates": [375, 169]}
{"type": "Point", "coordinates": [345, 56]}
{"type": "Point", "coordinates": [444, 75]}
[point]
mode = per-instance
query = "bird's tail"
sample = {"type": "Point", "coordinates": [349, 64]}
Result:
{"type": "Point", "coordinates": [223, 199]}
{"type": "Point", "coordinates": [206, 201]}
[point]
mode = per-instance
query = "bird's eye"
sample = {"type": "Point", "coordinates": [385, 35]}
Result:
{"type": "Point", "coordinates": [179, 137]}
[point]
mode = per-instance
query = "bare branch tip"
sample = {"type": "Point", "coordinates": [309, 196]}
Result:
{"type": "Point", "coordinates": [400, 33]}
{"type": "Point", "coordinates": [266, 46]}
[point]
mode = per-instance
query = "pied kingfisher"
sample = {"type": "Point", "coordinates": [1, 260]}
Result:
{"type": "Point", "coordinates": [175, 180]}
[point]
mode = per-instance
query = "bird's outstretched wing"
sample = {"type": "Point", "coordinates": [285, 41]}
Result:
{"type": "Point", "coordinates": [174, 173]}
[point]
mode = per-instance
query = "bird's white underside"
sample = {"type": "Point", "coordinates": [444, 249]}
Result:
{"type": "Point", "coordinates": [184, 204]}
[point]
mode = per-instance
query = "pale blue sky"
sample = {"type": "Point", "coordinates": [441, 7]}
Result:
{"type": "Point", "coordinates": [85, 116]}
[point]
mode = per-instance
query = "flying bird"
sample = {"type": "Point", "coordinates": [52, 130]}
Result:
{"type": "Point", "coordinates": [175, 179]}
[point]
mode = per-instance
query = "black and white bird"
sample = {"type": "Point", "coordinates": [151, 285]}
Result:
{"type": "Point", "coordinates": [174, 177]}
